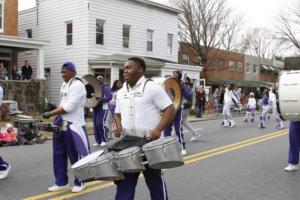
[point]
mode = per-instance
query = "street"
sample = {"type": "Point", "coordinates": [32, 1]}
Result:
{"type": "Point", "coordinates": [240, 163]}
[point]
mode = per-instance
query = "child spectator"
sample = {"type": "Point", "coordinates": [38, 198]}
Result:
{"type": "Point", "coordinates": [9, 138]}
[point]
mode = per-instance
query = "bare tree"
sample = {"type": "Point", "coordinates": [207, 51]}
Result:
{"type": "Point", "coordinates": [260, 42]}
{"type": "Point", "coordinates": [288, 25]}
{"type": "Point", "coordinates": [231, 33]}
{"type": "Point", "coordinates": [204, 25]}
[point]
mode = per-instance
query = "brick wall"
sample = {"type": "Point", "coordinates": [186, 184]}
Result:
{"type": "Point", "coordinates": [10, 18]}
{"type": "Point", "coordinates": [218, 63]}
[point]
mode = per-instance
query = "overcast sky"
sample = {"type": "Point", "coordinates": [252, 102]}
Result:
{"type": "Point", "coordinates": [257, 13]}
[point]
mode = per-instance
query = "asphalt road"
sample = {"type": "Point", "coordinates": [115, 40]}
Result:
{"type": "Point", "coordinates": [240, 163]}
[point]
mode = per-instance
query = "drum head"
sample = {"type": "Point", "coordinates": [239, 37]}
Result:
{"type": "Point", "coordinates": [104, 157]}
{"type": "Point", "coordinates": [159, 142]}
{"type": "Point", "coordinates": [127, 151]}
{"type": "Point", "coordinates": [87, 159]}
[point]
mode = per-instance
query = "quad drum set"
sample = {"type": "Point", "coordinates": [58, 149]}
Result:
{"type": "Point", "coordinates": [163, 153]}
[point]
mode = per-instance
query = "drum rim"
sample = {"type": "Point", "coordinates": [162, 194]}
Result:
{"type": "Point", "coordinates": [137, 149]}
{"type": "Point", "coordinates": [86, 164]}
{"type": "Point", "coordinates": [146, 147]}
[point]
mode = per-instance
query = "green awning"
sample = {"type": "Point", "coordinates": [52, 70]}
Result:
{"type": "Point", "coordinates": [272, 68]}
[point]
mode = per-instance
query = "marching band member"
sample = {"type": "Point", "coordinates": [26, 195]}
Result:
{"type": "Point", "coordinates": [71, 140]}
{"type": "Point", "coordinates": [294, 137]}
{"type": "Point", "coordinates": [229, 100]}
{"type": "Point", "coordinates": [100, 115]}
{"type": "Point", "coordinates": [265, 102]}
{"type": "Point", "coordinates": [187, 104]}
{"type": "Point", "coordinates": [251, 107]}
{"type": "Point", "coordinates": [117, 85]}
{"type": "Point", "coordinates": [138, 107]}
{"type": "Point", "coordinates": [272, 107]}
{"type": "Point", "coordinates": [177, 122]}
{"type": "Point", "coordinates": [4, 166]}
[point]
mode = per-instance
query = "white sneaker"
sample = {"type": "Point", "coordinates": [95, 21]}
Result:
{"type": "Point", "coordinates": [183, 152]}
{"type": "Point", "coordinates": [103, 144]}
{"type": "Point", "coordinates": [4, 174]}
{"type": "Point", "coordinates": [96, 144]}
{"type": "Point", "coordinates": [58, 188]}
{"type": "Point", "coordinates": [291, 167]}
{"type": "Point", "coordinates": [78, 188]}
{"type": "Point", "coordinates": [195, 138]}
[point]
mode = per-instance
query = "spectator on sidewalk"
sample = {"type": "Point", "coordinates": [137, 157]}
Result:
{"type": "Point", "coordinates": [3, 72]}
{"type": "Point", "coordinates": [200, 101]}
{"type": "Point", "coordinates": [26, 71]}
{"type": "Point", "coordinates": [9, 138]}
{"type": "Point", "coordinates": [216, 96]}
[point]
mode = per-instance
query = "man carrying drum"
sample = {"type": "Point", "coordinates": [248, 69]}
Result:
{"type": "Point", "coordinates": [138, 108]}
{"type": "Point", "coordinates": [71, 140]}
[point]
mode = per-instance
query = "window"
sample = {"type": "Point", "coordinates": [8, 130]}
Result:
{"type": "Point", "coordinates": [248, 66]}
{"type": "Point", "coordinates": [69, 33]}
{"type": "Point", "coordinates": [1, 15]}
{"type": "Point", "coordinates": [29, 33]}
{"type": "Point", "coordinates": [126, 34]}
{"type": "Point", "coordinates": [100, 31]}
{"type": "Point", "coordinates": [231, 65]}
{"type": "Point", "coordinates": [239, 66]}
{"type": "Point", "coordinates": [149, 40]}
{"type": "Point", "coordinates": [170, 43]}
{"type": "Point", "coordinates": [254, 68]}
{"type": "Point", "coordinates": [185, 59]}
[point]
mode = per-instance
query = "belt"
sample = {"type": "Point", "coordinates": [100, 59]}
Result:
{"type": "Point", "coordinates": [136, 132]}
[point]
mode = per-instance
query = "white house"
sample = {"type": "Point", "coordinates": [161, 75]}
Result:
{"type": "Point", "coordinates": [99, 35]}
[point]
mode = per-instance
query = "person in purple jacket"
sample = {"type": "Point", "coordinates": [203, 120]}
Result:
{"type": "Point", "coordinates": [177, 121]}
{"type": "Point", "coordinates": [100, 115]}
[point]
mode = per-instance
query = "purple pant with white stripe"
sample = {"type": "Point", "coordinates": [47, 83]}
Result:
{"type": "Point", "coordinates": [177, 122]}
{"type": "Point", "coordinates": [154, 180]}
{"type": "Point", "coordinates": [100, 130]}
{"type": "Point", "coordinates": [68, 144]}
{"type": "Point", "coordinates": [294, 137]}
{"type": "Point", "coordinates": [3, 164]}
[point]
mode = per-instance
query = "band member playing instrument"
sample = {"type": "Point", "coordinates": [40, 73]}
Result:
{"type": "Point", "coordinates": [71, 140]}
{"type": "Point", "coordinates": [229, 100]}
{"type": "Point", "coordinates": [272, 107]}
{"type": "Point", "coordinates": [251, 107]}
{"type": "Point", "coordinates": [294, 136]}
{"type": "Point", "coordinates": [4, 168]}
{"type": "Point", "coordinates": [100, 115]}
{"type": "Point", "coordinates": [138, 108]}
{"type": "Point", "coordinates": [177, 122]}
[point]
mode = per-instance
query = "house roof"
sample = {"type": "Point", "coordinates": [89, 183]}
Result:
{"type": "Point", "coordinates": [122, 58]}
{"type": "Point", "coordinates": [158, 5]}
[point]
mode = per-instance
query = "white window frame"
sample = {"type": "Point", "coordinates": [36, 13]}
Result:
{"type": "Point", "coordinates": [103, 21]}
{"type": "Point", "coordinates": [2, 2]}
{"type": "Point", "coordinates": [187, 59]}
{"type": "Point", "coordinates": [149, 40]}
{"type": "Point", "coordinates": [239, 66]}
{"type": "Point", "coordinates": [255, 69]}
{"type": "Point", "coordinates": [248, 68]}
{"type": "Point", "coordinates": [66, 32]}
{"type": "Point", "coordinates": [170, 45]}
{"type": "Point", "coordinates": [230, 68]}
{"type": "Point", "coordinates": [128, 38]}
